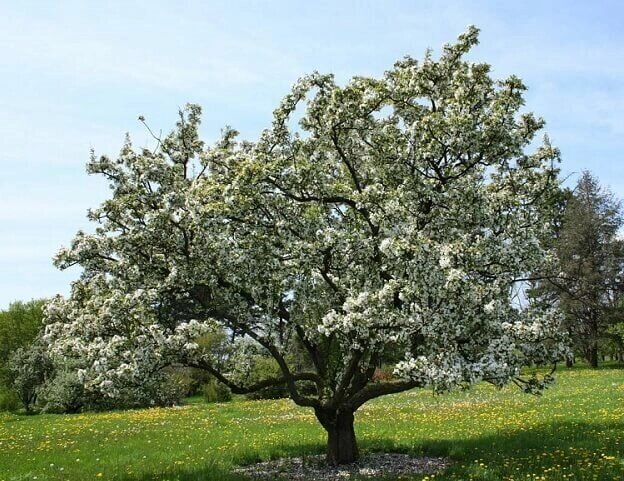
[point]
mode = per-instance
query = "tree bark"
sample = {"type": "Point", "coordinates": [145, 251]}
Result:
{"type": "Point", "coordinates": [341, 442]}
{"type": "Point", "coordinates": [592, 354]}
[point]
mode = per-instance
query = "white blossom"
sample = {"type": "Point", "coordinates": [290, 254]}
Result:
{"type": "Point", "coordinates": [396, 216]}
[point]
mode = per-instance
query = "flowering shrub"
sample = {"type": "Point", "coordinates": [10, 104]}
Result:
{"type": "Point", "coordinates": [29, 367]}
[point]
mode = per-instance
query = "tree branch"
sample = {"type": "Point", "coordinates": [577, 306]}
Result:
{"type": "Point", "coordinates": [237, 389]}
{"type": "Point", "coordinates": [372, 391]}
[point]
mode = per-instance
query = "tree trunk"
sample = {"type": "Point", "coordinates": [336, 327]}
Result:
{"type": "Point", "coordinates": [592, 354]}
{"type": "Point", "coordinates": [341, 442]}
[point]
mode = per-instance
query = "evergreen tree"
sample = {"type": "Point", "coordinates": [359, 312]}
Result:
{"type": "Point", "coordinates": [588, 285]}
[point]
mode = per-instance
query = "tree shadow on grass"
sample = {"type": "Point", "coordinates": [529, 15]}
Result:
{"type": "Point", "coordinates": [582, 365]}
{"type": "Point", "coordinates": [211, 473]}
{"type": "Point", "coordinates": [578, 450]}
{"type": "Point", "coordinates": [221, 468]}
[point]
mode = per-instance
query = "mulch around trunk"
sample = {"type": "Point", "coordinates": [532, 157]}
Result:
{"type": "Point", "coordinates": [313, 468]}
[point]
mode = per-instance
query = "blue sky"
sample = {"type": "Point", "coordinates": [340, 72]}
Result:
{"type": "Point", "coordinates": [76, 75]}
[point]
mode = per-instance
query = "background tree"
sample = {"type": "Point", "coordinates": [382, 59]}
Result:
{"type": "Point", "coordinates": [30, 367]}
{"type": "Point", "coordinates": [615, 334]}
{"type": "Point", "coordinates": [588, 284]}
{"type": "Point", "coordinates": [395, 215]}
{"type": "Point", "coordinates": [19, 326]}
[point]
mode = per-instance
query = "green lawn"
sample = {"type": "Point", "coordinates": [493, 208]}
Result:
{"type": "Point", "coordinates": [575, 431]}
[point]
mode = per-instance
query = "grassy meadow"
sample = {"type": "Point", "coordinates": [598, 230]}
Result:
{"type": "Point", "coordinates": [575, 431]}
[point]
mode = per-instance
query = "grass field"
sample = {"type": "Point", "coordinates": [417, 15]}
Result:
{"type": "Point", "coordinates": [574, 432]}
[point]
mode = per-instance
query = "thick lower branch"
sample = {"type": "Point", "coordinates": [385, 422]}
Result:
{"type": "Point", "coordinates": [289, 377]}
{"type": "Point", "coordinates": [347, 377]}
{"type": "Point", "coordinates": [375, 390]}
{"type": "Point", "coordinates": [238, 389]}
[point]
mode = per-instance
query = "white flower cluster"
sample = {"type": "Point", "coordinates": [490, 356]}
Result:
{"type": "Point", "coordinates": [395, 218]}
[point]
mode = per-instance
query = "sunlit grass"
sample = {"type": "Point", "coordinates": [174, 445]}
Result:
{"type": "Point", "coordinates": [575, 431]}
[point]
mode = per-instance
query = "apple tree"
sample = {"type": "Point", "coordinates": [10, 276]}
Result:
{"type": "Point", "coordinates": [392, 214]}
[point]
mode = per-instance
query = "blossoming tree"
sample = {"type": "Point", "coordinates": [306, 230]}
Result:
{"type": "Point", "coordinates": [397, 214]}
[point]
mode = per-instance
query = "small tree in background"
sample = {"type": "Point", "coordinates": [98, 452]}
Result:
{"type": "Point", "coordinates": [19, 326]}
{"type": "Point", "coordinates": [394, 218]}
{"type": "Point", "coordinates": [30, 367]}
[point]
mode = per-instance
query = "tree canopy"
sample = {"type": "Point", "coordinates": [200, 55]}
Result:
{"type": "Point", "coordinates": [387, 215]}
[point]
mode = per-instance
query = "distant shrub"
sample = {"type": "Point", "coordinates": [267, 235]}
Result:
{"type": "Point", "coordinates": [188, 379]}
{"type": "Point", "coordinates": [266, 368]}
{"type": "Point", "coordinates": [168, 390]}
{"type": "Point", "coordinates": [215, 392]}
{"type": "Point", "coordinates": [29, 367]}
{"type": "Point", "coordinates": [8, 399]}
{"type": "Point", "coordinates": [63, 393]}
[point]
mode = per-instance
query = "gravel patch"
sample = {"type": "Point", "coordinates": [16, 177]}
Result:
{"type": "Point", "coordinates": [313, 468]}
